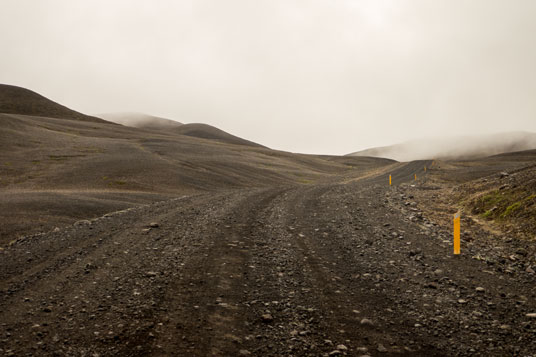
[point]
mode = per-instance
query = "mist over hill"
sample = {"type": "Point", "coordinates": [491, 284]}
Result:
{"type": "Point", "coordinates": [140, 120]}
{"type": "Point", "coordinates": [462, 147]}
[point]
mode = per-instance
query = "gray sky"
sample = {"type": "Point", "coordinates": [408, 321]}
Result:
{"type": "Point", "coordinates": [331, 76]}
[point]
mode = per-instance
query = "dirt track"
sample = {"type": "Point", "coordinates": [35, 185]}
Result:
{"type": "Point", "coordinates": [327, 269]}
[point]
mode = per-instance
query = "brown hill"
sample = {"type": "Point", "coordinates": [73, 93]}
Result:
{"type": "Point", "coordinates": [17, 100]}
{"type": "Point", "coordinates": [209, 132]}
{"type": "Point", "coordinates": [196, 130]}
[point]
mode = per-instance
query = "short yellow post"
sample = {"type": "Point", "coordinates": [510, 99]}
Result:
{"type": "Point", "coordinates": [425, 169]}
{"type": "Point", "coordinates": [389, 180]}
{"type": "Point", "coordinates": [457, 233]}
{"type": "Point", "coordinates": [415, 177]}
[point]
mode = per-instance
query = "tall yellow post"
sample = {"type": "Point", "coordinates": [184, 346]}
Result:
{"type": "Point", "coordinates": [457, 233]}
{"type": "Point", "coordinates": [389, 180]}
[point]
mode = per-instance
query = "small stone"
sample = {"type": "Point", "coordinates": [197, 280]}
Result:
{"type": "Point", "coordinates": [244, 353]}
{"type": "Point", "coordinates": [480, 289]}
{"type": "Point", "coordinates": [342, 348]}
{"type": "Point", "coordinates": [522, 251]}
{"type": "Point", "coordinates": [335, 353]}
{"type": "Point", "coordinates": [151, 274]}
{"type": "Point", "coordinates": [362, 349]}
{"type": "Point", "coordinates": [531, 315]}
{"type": "Point", "coordinates": [367, 322]}
{"type": "Point", "coordinates": [83, 222]}
{"type": "Point", "coordinates": [153, 225]}
{"type": "Point", "coordinates": [267, 318]}
{"type": "Point", "coordinates": [381, 348]}
{"type": "Point", "coordinates": [462, 301]}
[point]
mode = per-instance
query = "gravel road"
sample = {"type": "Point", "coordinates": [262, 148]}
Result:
{"type": "Point", "coordinates": [347, 267]}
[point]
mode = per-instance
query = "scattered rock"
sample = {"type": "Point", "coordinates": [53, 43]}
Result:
{"type": "Point", "coordinates": [267, 318]}
{"type": "Point", "coordinates": [381, 348]}
{"type": "Point", "coordinates": [83, 222]}
{"type": "Point", "coordinates": [480, 289]}
{"type": "Point", "coordinates": [367, 322]}
{"type": "Point", "coordinates": [531, 315]}
{"type": "Point", "coordinates": [153, 225]}
{"type": "Point", "coordinates": [244, 353]}
{"type": "Point", "coordinates": [342, 348]}
{"type": "Point", "coordinates": [522, 252]}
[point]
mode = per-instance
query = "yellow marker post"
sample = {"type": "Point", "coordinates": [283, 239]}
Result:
{"type": "Point", "coordinates": [389, 180]}
{"type": "Point", "coordinates": [457, 233]}
{"type": "Point", "coordinates": [415, 177]}
{"type": "Point", "coordinates": [425, 169]}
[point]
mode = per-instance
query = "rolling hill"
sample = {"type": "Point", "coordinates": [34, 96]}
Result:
{"type": "Point", "coordinates": [196, 130]}
{"type": "Point", "coordinates": [60, 165]}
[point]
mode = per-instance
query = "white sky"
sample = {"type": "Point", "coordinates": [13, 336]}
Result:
{"type": "Point", "coordinates": [331, 76]}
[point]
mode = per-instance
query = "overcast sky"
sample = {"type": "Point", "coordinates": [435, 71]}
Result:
{"type": "Point", "coordinates": [331, 76]}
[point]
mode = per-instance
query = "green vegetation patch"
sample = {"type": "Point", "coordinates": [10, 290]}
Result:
{"type": "Point", "coordinates": [510, 209]}
{"type": "Point", "coordinates": [506, 205]}
{"type": "Point", "coordinates": [117, 183]}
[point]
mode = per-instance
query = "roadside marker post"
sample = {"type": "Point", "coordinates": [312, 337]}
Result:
{"type": "Point", "coordinates": [457, 233]}
{"type": "Point", "coordinates": [415, 177]}
{"type": "Point", "coordinates": [425, 169]}
{"type": "Point", "coordinates": [389, 180]}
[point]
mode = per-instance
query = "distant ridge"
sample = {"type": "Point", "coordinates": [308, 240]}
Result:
{"type": "Point", "coordinates": [18, 100]}
{"type": "Point", "coordinates": [196, 130]}
{"type": "Point", "coordinates": [140, 120]}
{"type": "Point", "coordinates": [454, 148]}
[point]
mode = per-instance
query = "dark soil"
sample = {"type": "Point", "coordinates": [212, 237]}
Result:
{"type": "Point", "coordinates": [344, 267]}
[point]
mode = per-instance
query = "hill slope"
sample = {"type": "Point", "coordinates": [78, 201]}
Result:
{"type": "Point", "coordinates": [468, 147]}
{"type": "Point", "coordinates": [62, 170]}
{"type": "Point", "coordinates": [205, 131]}
{"type": "Point", "coordinates": [17, 100]}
